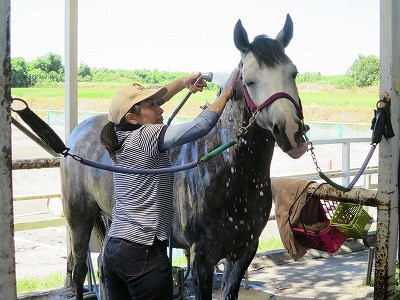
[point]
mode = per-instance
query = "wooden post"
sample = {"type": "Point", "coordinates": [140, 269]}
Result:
{"type": "Point", "coordinates": [8, 288]}
{"type": "Point", "coordinates": [387, 196]}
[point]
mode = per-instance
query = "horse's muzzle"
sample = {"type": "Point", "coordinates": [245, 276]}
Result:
{"type": "Point", "coordinates": [298, 152]}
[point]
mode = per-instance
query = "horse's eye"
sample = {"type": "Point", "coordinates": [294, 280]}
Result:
{"type": "Point", "coordinates": [294, 75]}
{"type": "Point", "coordinates": [249, 83]}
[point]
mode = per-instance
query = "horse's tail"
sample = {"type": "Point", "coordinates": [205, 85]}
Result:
{"type": "Point", "coordinates": [99, 229]}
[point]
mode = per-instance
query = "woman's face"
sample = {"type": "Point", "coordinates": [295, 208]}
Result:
{"type": "Point", "coordinates": [150, 113]}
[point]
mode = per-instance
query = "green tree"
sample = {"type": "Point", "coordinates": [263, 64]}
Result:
{"type": "Point", "coordinates": [40, 63]}
{"type": "Point", "coordinates": [309, 77]}
{"type": "Point", "coordinates": [84, 73]}
{"type": "Point", "coordinates": [37, 76]}
{"type": "Point", "coordinates": [55, 63]}
{"type": "Point", "coordinates": [19, 73]}
{"type": "Point", "coordinates": [365, 70]}
{"type": "Point", "coordinates": [47, 68]}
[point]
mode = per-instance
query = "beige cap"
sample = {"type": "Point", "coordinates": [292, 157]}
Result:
{"type": "Point", "coordinates": [128, 96]}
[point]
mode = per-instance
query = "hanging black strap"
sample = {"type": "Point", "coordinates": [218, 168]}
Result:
{"type": "Point", "coordinates": [381, 123]}
{"type": "Point", "coordinates": [41, 128]}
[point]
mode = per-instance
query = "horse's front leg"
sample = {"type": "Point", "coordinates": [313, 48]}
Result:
{"type": "Point", "coordinates": [234, 269]}
{"type": "Point", "coordinates": [202, 272]}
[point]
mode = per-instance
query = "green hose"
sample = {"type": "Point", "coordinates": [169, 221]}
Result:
{"type": "Point", "coordinates": [332, 183]}
{"type": "Point", "coordinates": [218, 150]}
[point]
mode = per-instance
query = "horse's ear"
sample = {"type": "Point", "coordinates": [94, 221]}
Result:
{"type": "Point", "coordinates": [241, 38]}
{"type": "Point", "coordinates": [286, 34]}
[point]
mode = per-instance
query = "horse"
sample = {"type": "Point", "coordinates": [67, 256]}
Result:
{"type": "Point", "coordinates": [222, 206]}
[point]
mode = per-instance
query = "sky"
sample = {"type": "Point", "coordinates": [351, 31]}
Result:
{"type": "Point", "coordinates": [192, 36]}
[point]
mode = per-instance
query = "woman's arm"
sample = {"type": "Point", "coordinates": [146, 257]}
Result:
{"type": "Point", "coordinates": [178, 85]}
{"type": "Point", "coordinates": [219, 104]}
{"type": "Point", "coordinates": [176, 135]}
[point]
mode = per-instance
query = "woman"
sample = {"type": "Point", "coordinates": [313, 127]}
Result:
{"type": "Point", "coordinates": [136, 265]}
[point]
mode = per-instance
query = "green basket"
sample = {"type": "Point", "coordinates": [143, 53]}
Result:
{"type": "Point", "coordinates": [351, 219]}
{"type": "Point", "coordinates": [178, 282]}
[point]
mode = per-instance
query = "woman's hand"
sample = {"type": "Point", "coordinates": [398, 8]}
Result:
{"type": "Point", "coordinates": [229, 89]}
{"type": "Point", "coordinates": [189, 83]}
{"type": "Point", "coordinates": [219, 104]}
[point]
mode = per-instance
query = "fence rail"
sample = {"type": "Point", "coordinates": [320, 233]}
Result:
{"type": "Point", "coordinates": [38, 224]}
{"type": "Point", "coordinates": [39, 163]}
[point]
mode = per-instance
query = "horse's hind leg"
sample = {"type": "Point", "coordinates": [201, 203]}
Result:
{"type": "Point", "coordinates": [80, 230]}
{"type": "Point", "coordinates": [234, 269]}
{"type": "Point", "coordinates": [80, 242]}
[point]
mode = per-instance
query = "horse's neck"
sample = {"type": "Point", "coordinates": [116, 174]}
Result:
{"type": "Point", "coordinates": [255, 146]}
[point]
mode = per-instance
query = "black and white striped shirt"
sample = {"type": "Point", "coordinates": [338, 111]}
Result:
{"type": "Point", "coordinates": [143, 203]}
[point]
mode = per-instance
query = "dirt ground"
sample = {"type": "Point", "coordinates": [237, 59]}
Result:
{"type": "Point", "coordinates": [40, 252]}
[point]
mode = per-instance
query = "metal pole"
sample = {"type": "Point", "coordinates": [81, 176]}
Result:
{"type": "Point", "coordinates": [8, 288]}
{"type": "Point", "coordinates": [71, 77]}
{"type": "Point", "coordinates": [346, 163]}
{"type": "Point", "coordinates": [387, 196]}
{"type": "Point", "coordinates": [371, 254]}
{"type": "Point", "coordinates": [71, 66]}
{"type": "Point", "coordinates": [355, 195]}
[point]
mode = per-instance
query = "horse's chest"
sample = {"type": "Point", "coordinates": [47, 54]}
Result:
{"type": "Point", "coordinates": [240, 215]}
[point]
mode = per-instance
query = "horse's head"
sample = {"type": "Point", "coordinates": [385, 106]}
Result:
{"type": "Point", "coordinates": [268, 77]}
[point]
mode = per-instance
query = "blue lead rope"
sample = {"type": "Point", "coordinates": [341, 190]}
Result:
{"type": "Point", "coordinates": [174, 169]}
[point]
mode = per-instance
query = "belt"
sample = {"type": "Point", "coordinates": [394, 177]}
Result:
{"type": "Point", "coordinates": [157, 244]}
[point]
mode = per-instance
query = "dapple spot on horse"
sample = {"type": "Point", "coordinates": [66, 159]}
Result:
{"type": "Point", "coordinates": [220, 207]}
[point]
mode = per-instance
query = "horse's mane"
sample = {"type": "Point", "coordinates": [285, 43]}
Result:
{"type": "Point", "coordinates": [268, 51]}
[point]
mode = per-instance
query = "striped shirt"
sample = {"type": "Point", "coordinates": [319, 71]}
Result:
{"type": "Point", "coordinates": [143, 203]}
{"type": "Point", "coordinates": [143, 206]}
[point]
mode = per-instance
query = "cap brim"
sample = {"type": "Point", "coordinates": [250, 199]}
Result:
{"type": "Point", "coordinates": [157, 94]}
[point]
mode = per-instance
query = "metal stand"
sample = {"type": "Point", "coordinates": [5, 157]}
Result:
{"type": "Point", "coordinates": [93, 292]}
{"type": "Point", "coordinates": [369, 240]}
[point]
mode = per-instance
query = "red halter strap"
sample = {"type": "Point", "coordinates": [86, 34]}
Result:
{"type": "Point", "coordinates": [253, 107]}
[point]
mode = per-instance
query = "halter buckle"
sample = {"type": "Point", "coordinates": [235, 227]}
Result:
{"type": "Point", "coordinates": [253, 117]}
{"type": "Point", "coordinates": [244, 130]}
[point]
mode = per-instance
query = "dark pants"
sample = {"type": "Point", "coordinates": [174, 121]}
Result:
{"type": "Point", "coordinates": [136, 271]}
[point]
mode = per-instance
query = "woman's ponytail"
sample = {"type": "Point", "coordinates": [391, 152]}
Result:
{"type": "Point", "coordinates": [108, 138]}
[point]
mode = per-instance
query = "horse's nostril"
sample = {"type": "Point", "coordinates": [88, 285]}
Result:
{"type": "Point", "coordinates": [275, 130]}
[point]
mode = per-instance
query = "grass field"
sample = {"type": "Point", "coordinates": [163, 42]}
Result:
{"type": "Point", "coordinates": [320, 102]}
{"type": "Point", "coordinates": [33, 284]}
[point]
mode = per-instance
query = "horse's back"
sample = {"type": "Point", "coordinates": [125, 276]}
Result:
{"type": "Point", "coordinates": [86, 132]}
{"type": "Point", "coordinates": [84, 183]}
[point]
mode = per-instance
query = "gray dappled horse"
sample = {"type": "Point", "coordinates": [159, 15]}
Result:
{"type": "Point", "coordinates": [220, 207]}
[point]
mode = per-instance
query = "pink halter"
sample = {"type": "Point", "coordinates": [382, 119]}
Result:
{"type": "Point", "coordinates": [253, 107]}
